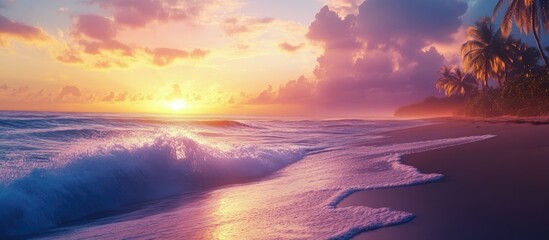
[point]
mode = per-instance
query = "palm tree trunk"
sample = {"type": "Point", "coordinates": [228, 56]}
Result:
{"type": "Point", "coordinates": [485, 83]}
{"type": "Point", "coordinates": [540, 48]}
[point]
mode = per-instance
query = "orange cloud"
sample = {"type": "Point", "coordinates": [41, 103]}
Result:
{"type": "Point", "coordinates": [70, 56]}
{"type": "Point", "coordinates": [108, 64]}
{"type": "Point", "coordinates": [68, 91]}
{"type": "Point", "coordinates": [120, 97]}
{"type": "Point", "coordinates": [165, 56]}
{"type": "Point", "coordinates": [109, 97]}
{"type": "Point", "coordinates": [114, 46]}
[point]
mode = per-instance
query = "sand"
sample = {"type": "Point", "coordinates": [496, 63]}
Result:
{"type": "Point", "coordinates": [493, 189]}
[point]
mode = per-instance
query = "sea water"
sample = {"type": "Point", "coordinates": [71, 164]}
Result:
{"type": "Point", "coordinates": [116, 176]}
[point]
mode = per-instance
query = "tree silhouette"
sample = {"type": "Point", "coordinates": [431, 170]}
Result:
{"type": "Point", "coordinates": [529, 16]}
{"type": "Point", "coordinates": [485, 53]}
{"type": "Point", "coordinates": [453, 81]}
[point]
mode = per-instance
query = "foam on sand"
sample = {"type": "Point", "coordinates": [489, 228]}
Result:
{"type": "Point", "coordinates": [300, 203]}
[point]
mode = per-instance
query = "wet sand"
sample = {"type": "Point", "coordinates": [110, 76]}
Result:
{"type": "Point", "coordinates": [493, 189]}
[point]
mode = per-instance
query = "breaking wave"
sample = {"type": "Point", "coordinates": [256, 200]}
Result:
{"type": "Point", "coordinates": [114, 177]}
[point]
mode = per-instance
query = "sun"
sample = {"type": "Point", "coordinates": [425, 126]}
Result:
{"type": "Point", "coordinates": [178, 105]}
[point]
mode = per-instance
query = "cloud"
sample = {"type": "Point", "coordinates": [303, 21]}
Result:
{"type": "Point", "coordinates": [14, 30]}
{"type": "Point", "coordinates": [290, 48]}
{"type": "Point", "coordinates": [344, 7]}
{"type": "Point", "coordinates": [121, 97]}
{"type": "Point", "coordinates": [4, 87]}
{"type": "Point", "coordinates": [236, 26]}
{"type": "Point", "coordinates": [300, 90]}
{"type": "Point", "coordinates": [96, 36]}
{"type": "Point", "coordinates": [113, 46]}
{"type": "Point", "coordinates": [113, 97]}
{"type": "Point", "coordinates": [70, 56]}
{"type": "Point", "coordinates": [165, 56]}
{"type": "Point", "coordinates": [385, 51]}
{"type": "Point", "coordinates": [329, 29]}
{"type": "Point", "coordinates": [109, 97]}
{"type": "Point", "coordinates": [267, 96]}
{"type": "Point", "coordinates": [104, 64]}
{"type": "Point", "coordinates": [68, 91]}
{"type": "Point", "coordinates": [140, 13]}
{"type": "Point", "coordinates": [95, 27]}
{"type": "Point", "coordinates": [65, 95]}
{"type": "Point", "coordinates": [379, 58]}
{"type": "Point", "coordinates": [297, 90]}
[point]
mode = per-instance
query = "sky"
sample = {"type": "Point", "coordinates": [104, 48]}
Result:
{"type": "Point", "coordinates": [238, 57]}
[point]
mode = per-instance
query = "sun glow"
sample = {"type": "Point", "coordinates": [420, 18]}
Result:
{"type": "Point", "coordinates": [178, 105]}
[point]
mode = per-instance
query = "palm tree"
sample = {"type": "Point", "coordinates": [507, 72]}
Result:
{"type": "Point", "coordinates": [453, 81]}
{"type": "Point", "coordinates": [525, 59]}
{"type": "Point", "coordinates": [485, 52]}
{"type": "Point", "coordinates": [529, 16]}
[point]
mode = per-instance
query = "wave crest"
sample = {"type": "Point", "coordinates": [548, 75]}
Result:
{"type": "Point", "coordinates": [114, 177]}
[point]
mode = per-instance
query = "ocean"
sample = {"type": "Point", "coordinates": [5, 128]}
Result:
{"type": "Point", "coordinates": [138, 176]}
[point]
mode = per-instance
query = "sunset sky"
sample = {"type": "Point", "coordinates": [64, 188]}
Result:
{"type": "Point", "coordinates": [259, 57]}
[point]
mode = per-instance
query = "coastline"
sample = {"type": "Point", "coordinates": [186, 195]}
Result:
{"type": "Point", "coordinates": [492, 189]}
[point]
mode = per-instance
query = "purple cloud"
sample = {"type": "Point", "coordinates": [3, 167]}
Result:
{"type": "Point", "coordinates": [11, 29]}
{"type": "Point", "coordinates": [381, 57]}
{"type": "Point", "coordinates": [295, 91]}
{"type": "Point", "coordinates": [95, 27]}
{"type": "Point", "coordinates": [140, 13]}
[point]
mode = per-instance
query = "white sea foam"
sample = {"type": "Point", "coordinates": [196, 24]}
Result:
{"type": "Point", "coordinates": [298, 203]}
{"type": "Point", "coordinates": [123, 176]}
{"type": "Point", "coordinates": [133, 171]}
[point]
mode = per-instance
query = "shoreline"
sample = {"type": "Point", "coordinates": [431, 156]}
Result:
{"type": "Point", "coordinates": [492, 189]}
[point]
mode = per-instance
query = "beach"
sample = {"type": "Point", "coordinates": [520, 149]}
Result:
{"type": "Point", "coordinates": [492, 189]}
{"type": "Point", "coordinates": [132, 176]}
{"type": "Point", "coordinates": [121, 176]}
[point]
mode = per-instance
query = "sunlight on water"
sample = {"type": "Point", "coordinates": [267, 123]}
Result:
{"type": "Point", "coordinates": [226, 209]}
{"type": "Point", "coordinates": [205, 179]}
